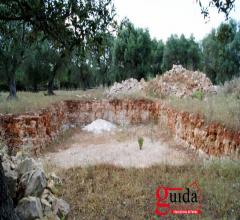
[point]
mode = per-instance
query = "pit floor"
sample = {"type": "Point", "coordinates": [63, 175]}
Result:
{"type": "Point", "coordinates": [121, 148]}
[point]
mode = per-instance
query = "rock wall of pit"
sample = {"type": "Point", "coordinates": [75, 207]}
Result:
{"type": "Point", "coordinates": [38, 129]}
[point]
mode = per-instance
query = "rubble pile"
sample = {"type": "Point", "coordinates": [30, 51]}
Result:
{"type": "Point", "coordinates": [31, 189]}
{"type": "Point", "coordinates": [126, 87]}
{"type": "Point", "coordinates": [179, 82]}
{"type": "Point", "coordinates": [99, 126]}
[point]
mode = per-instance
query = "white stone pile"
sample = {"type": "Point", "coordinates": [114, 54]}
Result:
{"type": "Point", "coordinates": [99, 126]}
{"type": "Point", "coordinates": [179, 82]}
{"type": "Point", "coordinates": [32, 189]}
{"type": "Point", "coordinates": [125, 87]}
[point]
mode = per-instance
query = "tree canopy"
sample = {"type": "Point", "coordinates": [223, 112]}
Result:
{"type": "Point", "coordinates": [223, 6]}
{"type": "Point", "coordinates": [51, 44]}
{"type": "Point", "coordinates": [65, 24]}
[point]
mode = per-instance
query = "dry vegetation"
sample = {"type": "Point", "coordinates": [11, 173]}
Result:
{"type": "Point", "coordinates": [221, 108]}
{"type": "Point", "coordinates": [28, 101]}
{"type": "Point", "coordinates": [107, 192]}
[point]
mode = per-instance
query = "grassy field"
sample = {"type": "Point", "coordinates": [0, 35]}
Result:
{"type": "Point", "coordinates": [107, 192]}
{"type": "Point", "coordinates": [28, 101]}
{"type": "Point", "coordinates": [221, 108]}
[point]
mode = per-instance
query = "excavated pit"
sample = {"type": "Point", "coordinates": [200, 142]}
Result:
{"type": "Point", "coordinates": [37, 130]}
{"type": "Point", "coordinates": [120, 148]}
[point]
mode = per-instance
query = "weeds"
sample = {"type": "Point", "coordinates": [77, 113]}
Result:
{"type": "Point", "coordinates": [231, 88]}
{"type": "Point", "coordinates": [28, 101]}
{"type": "Point", "coordinates": [215, 108]}
{"type": "Point", "coordinates": [198, 95]}
{"type": "Point", "coordinates": [140, 142]}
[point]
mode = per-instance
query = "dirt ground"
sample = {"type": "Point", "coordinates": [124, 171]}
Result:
{"type": "Point", "coordinates": [111, 178]}
{"type": "Point", "coordinates": [121, 148]}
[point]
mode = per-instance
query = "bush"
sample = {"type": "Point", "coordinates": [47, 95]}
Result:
{"type": "Point", "coordinates": [140, 142]}
{"type": "Point", "coordinates": [231, 87]}
{"type": "Point", "coordinates": [198, 95]}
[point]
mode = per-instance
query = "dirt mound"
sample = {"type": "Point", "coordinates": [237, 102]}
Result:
{"type": "Point", "coordinates": [125, 87]}
{"type": "Point", "coordinates": [179, 82]}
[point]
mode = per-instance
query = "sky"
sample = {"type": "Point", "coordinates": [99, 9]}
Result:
{"type": "Point", "coordinates": [166, 17]}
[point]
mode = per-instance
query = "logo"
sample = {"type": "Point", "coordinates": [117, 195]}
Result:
{"type": "Point", "coordinates": [176, 201]}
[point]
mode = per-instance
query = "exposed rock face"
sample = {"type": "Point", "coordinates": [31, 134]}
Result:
{"type": "Point", "coordinates": [29, 208]}
{"type": "Point", "coordinates": [33, 129]}
{"type": "Point", "coordinates": [10, 174]}
{"type": "Point", "coordinates": [11, 177]}
{"type": "Point", "coordinates": [61, 208]}
{"type": "Point", "coordinates": [179, 82]}
{"type": "Point", "coordinates": [213, 139]}
{"type": "Point", "coordinates": [27, 165]}
{"type": "Point", "coordinates": [6, 203]}
{"type": "Point", "coordinates": [31, 189]}
{"type": "Point", "coordinates": [34, 182]}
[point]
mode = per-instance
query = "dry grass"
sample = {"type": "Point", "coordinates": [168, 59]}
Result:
{"type": "Point", "coordinates": [134, 96]}
{"type": "Point", "coordinates": [231, 87]}
{"type": "Point", "coordinates": [224, 109]}
{"type": "Point", "coordinates": [28, 101]}
{"type": "Point", "coordinates": [107, 192]}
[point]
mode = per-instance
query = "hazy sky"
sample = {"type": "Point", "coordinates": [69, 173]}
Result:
{"type": "Point", "coordinates": [166, 17]}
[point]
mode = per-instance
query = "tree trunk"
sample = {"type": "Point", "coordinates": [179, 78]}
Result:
{"type": "Point", "coordinates": [12, 87]}
{"type": "Point", "coordinates": [35, 87]}
{"type": "Point", "coordinates": [58, 65]}
{"type": "Point", "coordinates": [51, 85]}
{"type": "Point", "coordinates": [6, 204]}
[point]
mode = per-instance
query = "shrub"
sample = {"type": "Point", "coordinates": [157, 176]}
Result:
{"type": "Point", "coordinates": [231, 87]}
{"type": "Point", "coordinates": [198, 95]}
{"type": "Point", "coordinates": [140, 142]}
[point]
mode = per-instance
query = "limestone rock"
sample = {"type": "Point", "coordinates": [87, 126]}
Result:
{"type": "Point", "coordinates": [27, 165]}
{"type": "Point", "coordinates": [55, 179]}
{"type": "Point", "coordinates": [179, 82]}
{"type": "Point", "coordinates": [47, 207]}
{"type": "Point", "coordinates": [11, 175]}
{"type": "Point", "coordinates": [34, 183]}
{"type": "Point", "coordinates": [29, 208]}
{"type": "Point", "coordinates": [125, 87]}
{"type": "Point", "coordinates": [61, 208]}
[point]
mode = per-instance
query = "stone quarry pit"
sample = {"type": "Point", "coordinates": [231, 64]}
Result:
{"type": "Point", "coordinates": [38, 130]}
{"type": "Point", "coordinates": [169, 138]}
{"type": "Point", "coordinates": [120, 147]}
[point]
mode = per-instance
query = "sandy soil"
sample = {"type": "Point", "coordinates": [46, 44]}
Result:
{"type": "Point", "coordinates": [119, 148]}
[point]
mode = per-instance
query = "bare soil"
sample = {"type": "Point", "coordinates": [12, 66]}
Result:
{"type": "Point", "coordinates": [120, 148]}
{"type": "Point", "coordinates": [111, 192]}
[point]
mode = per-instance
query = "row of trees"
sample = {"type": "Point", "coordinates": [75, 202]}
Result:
{"type": "Point", "coordinates": [135, 54]}
{"type": "Point", "coordinates": [68, 44]}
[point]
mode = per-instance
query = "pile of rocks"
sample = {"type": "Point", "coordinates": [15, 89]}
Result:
{"type": "Point", "coordinates": [99, 126]}
{"type": "Point", "coordinates": [179, 82]}
{"type": "Point", "coordinates": [31, 189]}
{"type": "Point", "coordinates": [125, 87]}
